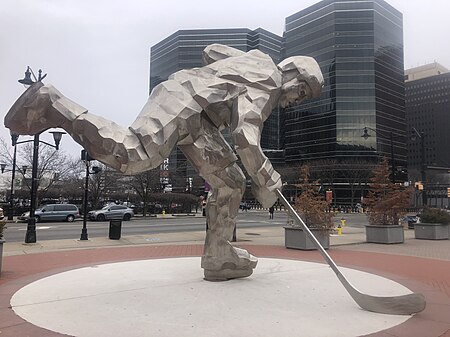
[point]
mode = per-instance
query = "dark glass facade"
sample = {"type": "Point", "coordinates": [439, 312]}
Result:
{"type": "Point", "coordinates": [359, 47]}
{"type": "Point", "coordinates": [428, 111]}
{"type": "Point", "coordinates": [183, 50]}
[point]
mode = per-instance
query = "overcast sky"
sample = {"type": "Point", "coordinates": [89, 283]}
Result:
{"type": "Point", "coordinates": [96, 52]}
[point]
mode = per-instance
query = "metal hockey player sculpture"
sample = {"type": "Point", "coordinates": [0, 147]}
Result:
{"type": "Point", "coordinates": [234, 89]}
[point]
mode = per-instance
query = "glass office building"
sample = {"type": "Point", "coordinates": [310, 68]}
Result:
{"type": "Point", "coordinates": [428, 111]}
{"type": "Point", "coordinates": [359, 47]}
{"type": "Point", "coordinates": [183, 50]}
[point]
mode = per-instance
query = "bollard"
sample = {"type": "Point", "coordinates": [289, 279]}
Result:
{"type": "Point", "coordinates": [339, 229]}
{"type": "Point", "coordinates": [343, 222]}
{"type": "Point", "coordinates": [163, 213]}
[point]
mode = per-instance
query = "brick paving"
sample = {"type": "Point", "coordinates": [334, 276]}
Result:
{"type": "Point", "coordinates": [426, 270]}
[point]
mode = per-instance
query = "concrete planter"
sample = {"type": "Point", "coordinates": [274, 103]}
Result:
{"type": "Point", "coordinates": [296, 238]}
{"type": "Point", "coordinates": [1, 254]}
{"type": "Point", "coordinates": [385, 234]}
{"type": "Point", "coordinates": [431, 231]}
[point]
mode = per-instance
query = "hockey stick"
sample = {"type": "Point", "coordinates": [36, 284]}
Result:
{"type": "Point", "coordinates": [394, 305]}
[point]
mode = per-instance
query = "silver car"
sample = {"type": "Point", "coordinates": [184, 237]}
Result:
{"type": "Point", "coordinates": [54, 212]}
{"type": "Point", "coordinates": [112, 212]}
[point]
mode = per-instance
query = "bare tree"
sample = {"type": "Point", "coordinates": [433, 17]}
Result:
{"type": "Point", "coordinates": [354, 173]}
{"type": "Point", "coordinates": [6, 157]}
{"type": "Point", "coordinates": [53, 166]}
{"type": "Point", "coordinates": [357, 174]}
{"type": "Point", "coordinates": [327, 171]}
{"type": "Point", "coordinates": [144, 184]}
{"type": "Point", "coordinates": [72, 185]}
{"type": "Point", "coordinates": [386, 201]}
{"type": "Point", "coordinates": [103, 185]}
{"type": "Point", "coordinates": [311, 204]}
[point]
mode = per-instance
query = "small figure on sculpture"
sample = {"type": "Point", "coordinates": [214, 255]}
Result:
{"type": "Point", "coordinates": [234, 90]}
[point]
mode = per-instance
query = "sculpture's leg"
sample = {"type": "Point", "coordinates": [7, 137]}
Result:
{"type": "Point", "coordinates": [222, 261]}
{"type": "Point", "coordinates": [216, 163]}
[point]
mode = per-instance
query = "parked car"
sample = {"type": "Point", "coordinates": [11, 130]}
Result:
{"type": "Point", "coordinates": [244, 206]}
{"type": "Point", "coordinates": [111, 212]}
{"type": "Point", "coordinates": [411, 220]}
{"type": "Point", "coordinates": [54, 212]}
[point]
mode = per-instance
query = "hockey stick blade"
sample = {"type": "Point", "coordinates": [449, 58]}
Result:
{"type": "Point", "coordinates": [393, 305]}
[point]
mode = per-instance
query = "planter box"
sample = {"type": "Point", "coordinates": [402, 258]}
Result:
{"type": "Point", "coordinates": [431, 231]}
{"type": "Point", "coordinates": [385, 234]}
{"type": "Point", "coordinates": [295, 237]}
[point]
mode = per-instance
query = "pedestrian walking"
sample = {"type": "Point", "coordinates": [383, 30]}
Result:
{"type": "Point", "coordinates": [271, 209]}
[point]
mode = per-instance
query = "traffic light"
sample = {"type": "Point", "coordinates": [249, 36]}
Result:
{"type": "Point", "coordinates": [448, 192]}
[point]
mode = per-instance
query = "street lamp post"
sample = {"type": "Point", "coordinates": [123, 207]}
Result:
{"type": "Point", "coordinates": [14, 139]}
{"type": "Point", "coordinates": [30, 236]}
{"type": "Point", "coordinates": [27, 80]}
{"type": "Point", "coordinates": [423, 177]}
{"type": "Point", "coordinates": [366, 135]}
{"type": "Point", "coordinates": [13, 176]}
{"type": "Point", "coordinates": [95, 169]}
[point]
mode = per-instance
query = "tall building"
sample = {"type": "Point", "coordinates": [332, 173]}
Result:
{"type": "Point", "coordinates": [428, 112]}
{"type": "Point", "coordinates": [359, 47]}
{"type": "Point", "coordinates": [424, 71]}
{"type": "Point", "coordinates": [183, 50]}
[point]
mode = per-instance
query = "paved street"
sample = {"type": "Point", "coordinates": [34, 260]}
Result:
{"type": "Point", "coordinates": [137, 226]}
{"type": "Point", "coordinates": [154, 225]}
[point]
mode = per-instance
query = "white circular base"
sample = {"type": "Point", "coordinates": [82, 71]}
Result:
{"type": "Point", "coordinates": [168, 297]}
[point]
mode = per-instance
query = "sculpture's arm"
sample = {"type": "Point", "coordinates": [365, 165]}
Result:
{"type": "Point", "coordinates": [216, 52]}
{"type": "Point", "coordinates": [43, 107]}
{"type": "Point", "coordinates": [246, 130]}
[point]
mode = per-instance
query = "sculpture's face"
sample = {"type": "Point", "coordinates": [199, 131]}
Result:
{"type": "Point", "coordinates": [294, 92]}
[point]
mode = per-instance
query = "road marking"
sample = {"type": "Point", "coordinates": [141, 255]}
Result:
{"type": "Point", "coordinates": [152, 239]}
{"type": "Point", "coordinates": [38, 227]}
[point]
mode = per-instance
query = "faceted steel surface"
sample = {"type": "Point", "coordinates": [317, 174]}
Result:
{"type": "Point", "coordinates": [233, 90]}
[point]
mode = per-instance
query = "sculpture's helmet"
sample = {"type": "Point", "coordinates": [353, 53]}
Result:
{"type": "Point", "coordinates": [304, 68]}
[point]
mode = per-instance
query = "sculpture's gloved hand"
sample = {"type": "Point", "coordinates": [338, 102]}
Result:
{"type": "Point", "coordinates": [266, 194]}
{"type": "Point", "coordinates": [39, 108]}
{"type": "Point", "coordinates": [25, 117]}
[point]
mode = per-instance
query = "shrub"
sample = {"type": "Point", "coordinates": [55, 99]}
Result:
{"type": "Point", "coordinates": [386, 201]}
{"type": "Point", "coordinates": [311, 205]}
{"type": "Point", "coordinates": [434, 215]}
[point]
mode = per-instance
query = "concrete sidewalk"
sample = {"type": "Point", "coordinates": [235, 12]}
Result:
{"type": "Point", "coordinates": [352, 238]}
{"type": "Point", "coordinates": [254, 236]}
